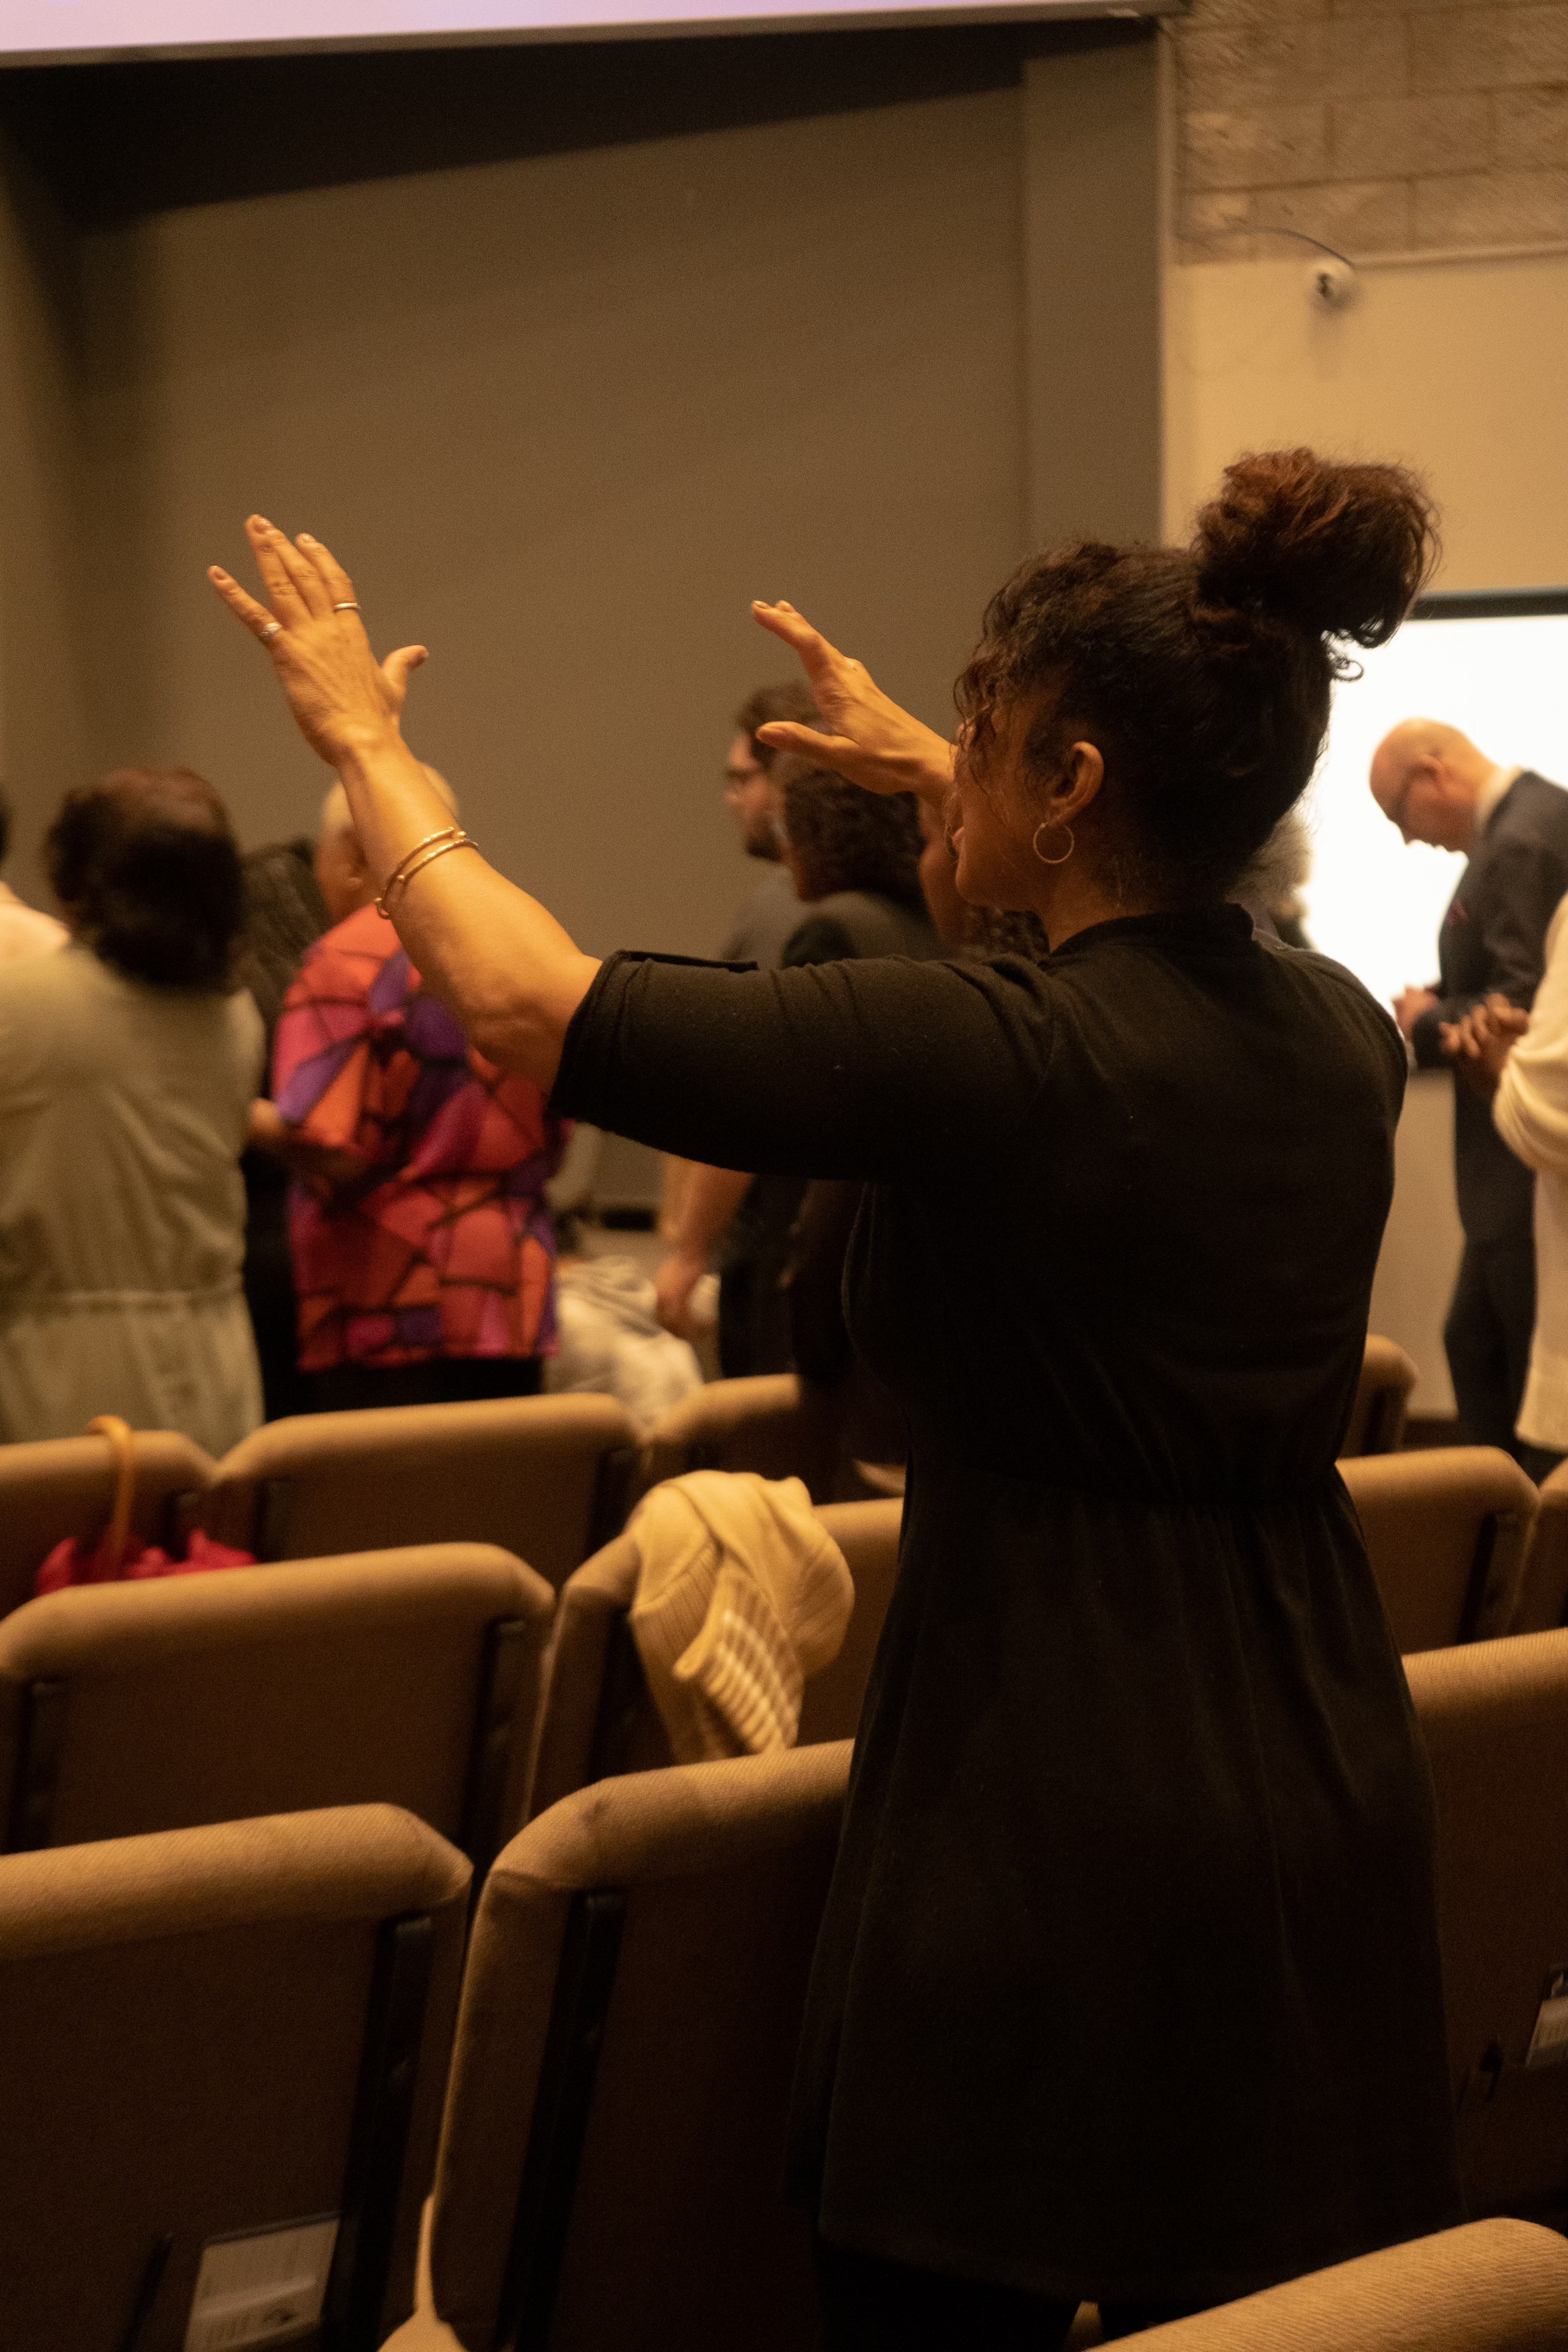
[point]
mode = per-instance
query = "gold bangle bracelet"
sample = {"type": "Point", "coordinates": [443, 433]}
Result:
{"type": "Point", "coordinates": [404, 866]}
{"type": "Point", "coordinates": [439, 849]}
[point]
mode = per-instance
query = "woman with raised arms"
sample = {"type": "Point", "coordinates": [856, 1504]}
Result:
{"type": "Point", "coordinates": [1128, 1984]}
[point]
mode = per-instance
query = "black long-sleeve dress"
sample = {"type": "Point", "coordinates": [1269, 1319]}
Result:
{"type": "Point", "coordinates": [1128, 1986]}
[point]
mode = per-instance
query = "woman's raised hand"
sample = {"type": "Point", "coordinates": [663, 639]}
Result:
{"type": "Point", "coordinates": [341, 697]}
{"type": "Point", "coordinates": [868, 740]}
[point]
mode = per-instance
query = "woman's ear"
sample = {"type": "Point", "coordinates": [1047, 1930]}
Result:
{"type": "Point", "coordinates": [1083, 774]}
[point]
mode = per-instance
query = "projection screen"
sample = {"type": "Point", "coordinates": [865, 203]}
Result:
{"type": "Point", "coordinates": [37, 32]}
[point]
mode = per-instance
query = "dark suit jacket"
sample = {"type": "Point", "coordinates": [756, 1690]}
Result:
{"type": "Point", "coordinates": [1493, 941]}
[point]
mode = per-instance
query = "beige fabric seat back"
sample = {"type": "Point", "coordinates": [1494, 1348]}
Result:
{"type": "Point", "coordinates": [1495, 1719]}
{"type": "Point", "coordinates": [63, 1486]}
{"type": "Point", "coordinates": [545, 1478]}
{"type": "Point", "coordinates": [1446, 1532]}
{"type": "Point", "coordinates": [614, 2146]}
{"type": "Point", "coordinates": [409, 1678]}
{"type": "Point", "coordinates": [1382, 1400]}
{"type": "Point", "coordinates": [599, 1718]}
{"type": "Point", "coordinates": [1492, 2286]}
{"type": "Point", "coordinates": [1543, 1588]}
{"type": "Point", "coordinates": [769, 1423]}
{"type": "Point", "coordinates": [212, 2033]}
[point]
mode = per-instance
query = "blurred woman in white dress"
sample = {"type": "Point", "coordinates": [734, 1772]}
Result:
{"type": "Point", "coordinates": [128, 1066]}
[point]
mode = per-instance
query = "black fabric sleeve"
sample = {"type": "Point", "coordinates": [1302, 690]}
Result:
{"type": "Point", "coordinates": [876, 1069]}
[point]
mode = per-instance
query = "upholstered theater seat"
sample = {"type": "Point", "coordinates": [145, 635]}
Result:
{"type": "Point", "coordinates": [1495, 1719]}
{"type": "Point", "coordinates": [399, 1677]}
{"type": "Point", "coordinates": [65, 1486]}
{"type": "Point", "coordinates": [1446, 1532]}
{"type": "Point", "coordinates": [612, 2154]}
{"type": "Point", "coordinates": [1494, 2286]}
{"type": "Point", "coordinates": [545, 1478]}
{"type": "Point", "coordinates": [599, 1718]}
{"type": "Point", "coordinates": [1382, 1400]}
{"type": "Point", "coordinates": [769, 1423]}
{"type": "Point", "coordinates": [237, 2033]}
{"type": "Point", "coordinates": [1543, 1588]}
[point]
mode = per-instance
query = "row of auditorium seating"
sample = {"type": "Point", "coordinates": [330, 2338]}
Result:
{"type": "Point", "coordinates": [452, 1680]}
{"type": "Point", "coordinates": [447, 1679]}
{"type": "Point", "coordinates": [549, 1479]}
{"type": "Point", "coordinates": [221, 2042]}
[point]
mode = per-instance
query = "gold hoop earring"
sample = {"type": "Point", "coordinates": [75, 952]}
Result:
{"type": "Point", "coordinates": [1044, 825]}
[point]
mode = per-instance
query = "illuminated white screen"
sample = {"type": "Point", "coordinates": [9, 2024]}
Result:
{"type": "Point", "coordinates": [1372, 903]}
{"type": "Point", "coordinates": [64, 28]}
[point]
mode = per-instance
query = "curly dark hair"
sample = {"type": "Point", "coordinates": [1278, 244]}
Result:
{"type": "Point", "coordinates": [841, 838]}
{"type": "Point", "coordinates": [1202, 673]}
{"type": "Point", "coordinates": [147, 866]}
{"type": "Point", "coordinates": [793, 699]}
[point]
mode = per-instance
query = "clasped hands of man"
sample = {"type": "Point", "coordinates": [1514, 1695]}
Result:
{"type": "Point", "coordinates": [1479, 1044]}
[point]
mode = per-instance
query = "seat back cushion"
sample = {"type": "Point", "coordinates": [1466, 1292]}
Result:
{"type": "Point", "coordinates": [183, 2050]}
{"type": "Point", "coordinates": [1445, 1533]}
{"type": "Point", "coordinates": [545, 1478]}
{"type": "Point", "coordinates": [266, 1690]}
{"type": "Point", "coordinates": [678, 2232]}
{"type": "Point", "coordinates": [1495, 1719]}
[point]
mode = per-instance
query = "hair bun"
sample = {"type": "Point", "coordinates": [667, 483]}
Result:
{"type": "Point", "coordinates": [1340, 550]}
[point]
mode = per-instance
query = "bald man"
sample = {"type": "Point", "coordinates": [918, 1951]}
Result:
{"type": "Point", "coordinates": [1438, 786]}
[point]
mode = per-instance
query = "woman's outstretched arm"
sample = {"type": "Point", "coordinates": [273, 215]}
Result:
{"type": "Point", "coordinates": [502, 965]}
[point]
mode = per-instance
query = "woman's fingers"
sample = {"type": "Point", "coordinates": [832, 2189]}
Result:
{"type": "Point", "coordinates": [272, 553]}
{"type": "Point", "coordinates": [256, 616]}
{"type": "Point", "coordinates": [818, 657]}
{"type": "Point", "coordinates": [339, 587]}
{"type": "Point", "coordinates": [303, 576]}
{"type": "Point", "coordinates": [822, 751]}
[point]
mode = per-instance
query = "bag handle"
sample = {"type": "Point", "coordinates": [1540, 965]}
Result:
{"type": "Point", "coordinates": [122, 1446]}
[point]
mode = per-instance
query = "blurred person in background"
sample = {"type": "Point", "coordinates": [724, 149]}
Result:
{"type": "Point", "coordinates": [23, 931]}
{"type": "Point", "coordinates": [704, 1199]}
{"type": "Point", "coordinates": [1270, 889]}
{"type": "Point", "coordinates": [285, 913]}
{"type": "Point", "coordinates": [1434, 783]}
{"type": "Point", "coordinates": [127, 1064]}
{"type": "Point", "coordinates": [771, 910]}
{"type": "Point", "coordinates": [609, 1341]}
{"type": "Point", "coordinates": [854, 861]}
{"type": "Point", "coordinates": [424, 1252]}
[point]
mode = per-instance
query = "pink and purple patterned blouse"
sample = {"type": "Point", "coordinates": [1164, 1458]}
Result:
{"type": "Point", "coordinates": [445, 1247]}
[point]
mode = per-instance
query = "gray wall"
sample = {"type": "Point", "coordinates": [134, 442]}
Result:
{"type": "Point", "coordinates": [46, 733]}
{"type": "Point", "coordinates": [565, 414]}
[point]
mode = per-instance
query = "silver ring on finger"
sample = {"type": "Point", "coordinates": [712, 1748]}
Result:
{"type": "Point", "coordinates": [273, 629]}
{"type": "Point", "coordinates": [348, 605]}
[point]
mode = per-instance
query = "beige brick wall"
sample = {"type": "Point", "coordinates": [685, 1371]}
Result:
{"type": "Point", "coordinates": [1380, 126]}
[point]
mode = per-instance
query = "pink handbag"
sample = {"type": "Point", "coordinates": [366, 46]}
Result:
{"type": "Point", "coordinates": [118, 1556]}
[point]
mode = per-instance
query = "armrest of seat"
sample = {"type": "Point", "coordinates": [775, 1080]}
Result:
{"type": "Point", "coordinates": [593, 1606]}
